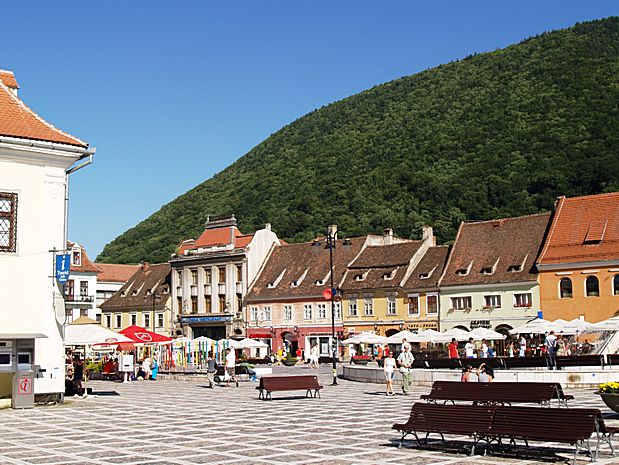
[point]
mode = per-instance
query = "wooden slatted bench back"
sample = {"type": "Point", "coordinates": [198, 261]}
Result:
{"type": "Point", "coordinates": [457, 419]}
{"type": "Point", "coordinates": [289, 383]}
{"type": "Point", "coordinates": [496, 392]}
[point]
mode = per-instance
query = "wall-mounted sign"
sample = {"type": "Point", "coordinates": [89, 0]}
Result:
{"type": "Point", "coordinates": [204, 319]}
{"type": "Point", "coordinates": [63, 267]}
{"type": "Point", "coordinates": [480, 324]}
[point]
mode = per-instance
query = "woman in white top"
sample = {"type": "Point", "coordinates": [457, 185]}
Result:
{"type": "Point", "coordinates": [389, 369]}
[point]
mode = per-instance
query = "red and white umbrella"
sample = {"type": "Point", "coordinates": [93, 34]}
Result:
{"type": "Point", "coordinates": [141, 335]}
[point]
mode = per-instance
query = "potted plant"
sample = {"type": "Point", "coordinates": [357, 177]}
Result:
{"type": "Point", "coordinates": [289, 360]}
{"type": "Point", "coordinates": [361, 359]}
{"type": "Point", "coordinates": [609, 392]}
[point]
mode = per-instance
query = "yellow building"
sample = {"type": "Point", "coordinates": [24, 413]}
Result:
{"type": "Point", "coordinates": [381, 290]}
{"type": "Point", "coordinates": [579, 264]}
{"type": "Point", "coordinates": [144, 301]}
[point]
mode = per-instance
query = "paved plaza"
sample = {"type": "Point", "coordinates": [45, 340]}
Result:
{"type": "Point", "coordinates": [175, 422]}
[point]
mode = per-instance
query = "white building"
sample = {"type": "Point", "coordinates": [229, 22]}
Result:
{"type": "Point", "coordinates": [81, 288]}
{"type": "Point", "coordinates": [35, 162]}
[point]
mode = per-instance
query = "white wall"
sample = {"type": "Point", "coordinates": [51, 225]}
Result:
{"type": "Point", "coordinates": [29, 298]}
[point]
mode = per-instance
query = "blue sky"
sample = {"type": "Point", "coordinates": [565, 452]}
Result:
{"type": "Point", "coordinates": [172, 92]}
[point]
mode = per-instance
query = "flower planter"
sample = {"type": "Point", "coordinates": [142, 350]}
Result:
{"type": "Point", "coordinates": [360, 361]}
{"type": "Point", "coordinates": [611, 399]}
{"type": "Point", "coordinates": [289, 362]}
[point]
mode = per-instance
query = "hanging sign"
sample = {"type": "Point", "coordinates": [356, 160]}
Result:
{"type": "Point", "coordinates": [63, 267]}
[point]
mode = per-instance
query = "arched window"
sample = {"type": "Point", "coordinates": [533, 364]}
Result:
{"type": "Point", "coordinates": [593, 286]}
{"type": "Point", "coordinates": [566, 288]}
{"type": "Point", "coordinates": [616, 284]}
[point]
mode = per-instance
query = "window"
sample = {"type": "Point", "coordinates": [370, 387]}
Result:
{"type": "Point", "coordinates": [146, 320]}
{"type": "Point", "coordinates": [322, 311]}
{"type": "Point", "coordinates": [352, 307]}
{"type": "Point", "coordinates": [253, 313]}
{"type": "Point", "coordinates": [222, 303]}
{"type": "Point", "coordinates": [83, 312]}
{"type": "Point", "coordinates": [307, 311]}
{"type": "Point", "coordinates": [194, 304]}
{"type": "Point", "coordinates": [287, 312]}
{"type": "Point", "coordinates": [514, 268]}
{"type": "Point", "coordinates": [492, 301]}
{"type": "Point", "coordinates": [108, 321]}
{"type": "Point", "coordinates": [179, 279]}
{"type": "Point", "coordinates": [592, 285]}
{"type": "Point", "coordinates": [267, 313]}
{"type": "Point", "coordinates": [119, 321]}
{"type": "Point", "coordinates": [239, 301]}
{"type": "Point", "coordinates": [391, 305]}
{"type": "Point", "coordinates": [616, 285]}
{"type": "Point", "coordinates": [69, 289]}
{"type": "Point", "coordinates": [486, 270]}
{"type": "Point", "coordinates": [565, 288]}
{"type": "Point", "coordinates": [337, 310]}
{"type": "Point", "coordinates": [461, 303]}
{"type": "Point", "coordinates": [207, 303]}
{"type": "Point", "coordinates": [83, 287]}
{"type": "Point", "coordinates": [431, 304]}
{"type": "Point", "coordinates": [134, 320]}
{"type": "Point", "coordinates": [207, 276]}
{"type": "Point", "coordinates": [194, 277]}
{"type": "Point", "coordinates": [179, 305]}
{"type": "Point", "coordinates": [523, 300]}
{"type": "Point", "coordinates": [8, 222]}
{"type": "Point", "coordinates": [368, 306]}
{"type": "Point", "coordinates": [160, 320]}
{"type": "Point", "coordinates": [76, 258]}
{"type": "Point", "coordinates": [413, 305]}
{"type": "Point", "coordinates": [222, 275]}
{"type": "Point", "coordinates": [239, 274]}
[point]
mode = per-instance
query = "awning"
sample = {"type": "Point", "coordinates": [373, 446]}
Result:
{"type": "Point", "coordinates": [18, 335]}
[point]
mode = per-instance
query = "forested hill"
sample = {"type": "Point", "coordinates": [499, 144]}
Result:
{"type": "Point", "coordinates": [494, 135]}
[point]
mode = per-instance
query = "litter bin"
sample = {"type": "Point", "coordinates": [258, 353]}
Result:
{"type": "Point", "coordinates": [23, 390]}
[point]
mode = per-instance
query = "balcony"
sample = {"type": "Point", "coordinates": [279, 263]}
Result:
{"type": "Point", "coordinates": [79, 298]}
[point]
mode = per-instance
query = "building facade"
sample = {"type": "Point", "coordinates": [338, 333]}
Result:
{"type": "Point", "coordinates": [373, 284]}
{"type": "Point", "coordinates": [211, 276]}
{"type": "Point", "coordinates": [286, 305]}
{"type": "Point", "coordinates": [35, 162]}
{"type": "Point", "coordinates": [81, 288]}
{"type": "Point", "coordinates": [579, 265]}
{"type": "Point", "coordinates": [490, 279]}
{"type": "Point", "coordinates": [111, 278]}
{"type": "Point", "coordinates": [145, 300]}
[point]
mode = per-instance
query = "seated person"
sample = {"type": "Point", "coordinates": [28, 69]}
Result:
{"type": "Point", "coordinates": [108, 367]}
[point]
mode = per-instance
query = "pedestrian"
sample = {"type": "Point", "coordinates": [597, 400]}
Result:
{"type": "Point", "coordinates": [380, 352]}
{"type": "Point", "coordinates": [484, 348]}
{"type": "Point", "coordinates": [466, 374]}
{"type": "Point", "coordinates": [386, 351]}
{"type": "Point", "coordinates": [469, 349]}
{"type": "Point", "coordinates": [231, 367]}
{"type": "Point", "coordinates": [406, 359]}
{"type": "Point", "coordinates": [405, 344]}
{"type": "Point", "coordinates": [211, 368]}
{"type": "Point", "coordinates": [560, 345]}
{"type": "Point", "coordinates": [314, 354]}
{"type": "Point", "coordinates": [550, 344]}
{"type": "Point", "coordinates": [510, 349]}
{"type": "Point", "coordinates": [523, 346]}
{"type": "Point", "coordinates": [78, 375]}
{"type": "Point", "coordinates": [453, 348]}
{"type": "Point", "coordinates": [353, 352]}
{"type": "Point", "coordinates": [389, 368]}
{"type": "Point", "coordinates": [146, 367]}
{"type": "Point", "coordinates": [299, 353]}
{"type": "Point", "coordinates": [154, 369]}
{"type": "Point", "coordinates": [485, 374]}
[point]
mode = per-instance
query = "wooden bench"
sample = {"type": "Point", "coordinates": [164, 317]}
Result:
{"type": "Point", "coordinates": [497, 393]}
{"type": "Point", "coordinates": [492, 424]}
{"type": "Point", "coordinates": [308, 383]}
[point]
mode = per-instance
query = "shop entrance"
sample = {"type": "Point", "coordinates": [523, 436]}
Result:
{"type": "Point", "coordinates": [212, 332]}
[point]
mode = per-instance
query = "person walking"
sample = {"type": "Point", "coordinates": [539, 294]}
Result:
{"type": "Point", "coordinates": [469, 349]}
{"type": "Point", "coordinates": [353, 352]}
{"type": "Point", "coordinates": [550, 344]}
{"type": "Point", "coordinates": [484, 348]}
{"type": "Point", "coordinates": [231, 367]}
{"type": "Point", "coordinates": [211, 368]}
{"type": "Point", "coordinates": [406, 359]}
{"type": "Point", "coordinates": [453, 348]}
{"type": "Point", "coordinates": [314, 356]}
{"type": "Point", "coordinates": [78, 375]}
{"type": "Point", "coordinates": [523, 346]}
{"type": "Point", "coordinates": [389, 368]}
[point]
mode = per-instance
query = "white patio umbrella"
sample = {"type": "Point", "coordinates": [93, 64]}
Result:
{"type": "Point", "coordinates": [485, 333]}
{"type": "Point", "coordinates": [576, 326]}
{"type": "Point", "coordinates": [612, 324]}
{"type": "Point", "coordinates": [536, 326]}
{"type": "Point", "coordinates": [249, 344]}
{"type": "Point", "coordinates": [87, 332]}
{"type": "Point", "coordinates": [366, 337]}
{"type": "Point", "coordinates": [427, 335]}
{"type": "Point", "coordinates": [457, 333]}
{"type": "Point", "coordinates": [410, 337]}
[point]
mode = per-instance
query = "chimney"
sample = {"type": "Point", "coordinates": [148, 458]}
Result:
{"type": "Point", "coordinates": [388, 236]}
{"type": "Point", "coordinates": [145, 266]}
{"type": "Point", "coordinates": [333, 231]}
{"type": "Point", "coordinates": [428, 236]}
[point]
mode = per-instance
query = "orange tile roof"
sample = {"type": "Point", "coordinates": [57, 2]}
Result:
{"type": "Point", "coordinates": [8, 79]}
{"type": "Point", "coordinates": [216, 237]}
{"type": "Point", "coordinates": [17, 120]}
{"type": "Point", "coordinates": [86, 266]}
{"type": "Point", "coordinates": [584, 229]}
{"type": "Point", "coordinates": [115, 273]}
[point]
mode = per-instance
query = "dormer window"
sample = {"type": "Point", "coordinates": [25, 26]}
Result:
{"type": "Point", "coordinates": [514, 268]}
{"type": "Point", "coordinates": [319, 282]}
{"type": "Point", "coordinates": [426, 275]}
{"type": "Point", "coordinates": [165, 290]}
{"type": "Point", "coordinates": [297, 282]}
{"type": "Point", "coordinates": [149, 291]}
{"type": "Point", "coordinates": [135, 292]}
{"type": "Point", "coordinates": [273, 284]}
{"type": "Point", "coordinates": [595, 233]}
{"type": "Point", "coordinates": [360, 276]}
{"type": "Point", "coordinates": [462, 271]}
{"type": "Point", "coordinates": [123, 293]}
{"type": "Point", "coordinates": [76, 259]}
{"type": "Point", "coordinates": [486, 270]}
{"type": "Point", "coordinates": [389, 275]}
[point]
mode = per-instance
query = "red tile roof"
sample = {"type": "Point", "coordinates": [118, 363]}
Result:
{"type": "Point", "coordinates": [17, 120]}
{"type": "Point", "coordinates": [150, 283]}
{"type": "Point", "coordinates": [216, 237]}
{"type": "Point", "coordinates": [115, 273]}
{"type": "Point", "coordinates": [428, 271]}
{"type": "Point", "coordinates": [497, 246]}
{"type": "Point", "coordinates": [86, 266]}
{"type": "Point", "coordinates": [289, 263]}
{"type": "Point", "coordinates": [584, 229]}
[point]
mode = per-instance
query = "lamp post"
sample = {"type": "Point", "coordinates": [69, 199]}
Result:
{"type": "Point", "coordinates": [331, 242]}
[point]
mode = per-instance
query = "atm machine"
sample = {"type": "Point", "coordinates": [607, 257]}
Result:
{"type": "Point", "coordinates": [16, 358]}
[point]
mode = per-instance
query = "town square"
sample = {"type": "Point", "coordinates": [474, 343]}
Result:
{"type": "Point", "coordinates": [309, 233]}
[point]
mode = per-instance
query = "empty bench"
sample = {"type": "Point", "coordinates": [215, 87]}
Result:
{"type": "Point", "coordinates": [497, 393]}
{"type": "Point", "coordinates": [493, 424]}
{"type": "Point", "coordinates": [307, 383]}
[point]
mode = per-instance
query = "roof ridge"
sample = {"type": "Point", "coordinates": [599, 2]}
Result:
{"type": "Point", "coordinates": [21, 103]}
{"type": "Point", "coordinates": [591, 196]}
{"type": "Point", "coordinates": [507, 218]}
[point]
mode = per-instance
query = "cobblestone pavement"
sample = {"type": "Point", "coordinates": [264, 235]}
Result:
{"type": "Point", "coordinates": [175, 422]}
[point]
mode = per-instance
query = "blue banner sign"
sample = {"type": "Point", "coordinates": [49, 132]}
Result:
{"type": "Point", "coordinates": [204, 319]}
{"type": "Point", "coordinates": [63, 267]}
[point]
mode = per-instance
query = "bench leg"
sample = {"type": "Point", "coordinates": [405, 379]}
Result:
{"type": "Point", "coordinates": [474, 443]}
{"type": "Point", "coordinates": [318, 393]}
